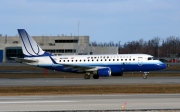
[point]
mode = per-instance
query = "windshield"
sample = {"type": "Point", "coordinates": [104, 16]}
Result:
{"type": "Point", "coordinates": [151, 58]}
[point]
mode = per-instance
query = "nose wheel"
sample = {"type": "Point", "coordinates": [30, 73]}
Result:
{"type": "Point", "coordinates": [145, 75]}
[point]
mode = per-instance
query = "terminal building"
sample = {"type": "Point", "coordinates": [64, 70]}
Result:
{"type": "Point", "coordinates": [57, 45]}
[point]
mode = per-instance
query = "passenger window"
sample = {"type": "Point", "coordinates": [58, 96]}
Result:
{"type": "Point", "coordinates": [64, 60]}
{"type": "Point", "coordinates": [59, 60]}
{"type": "Point", "coordinates": [133, 59]}
{"type": "Point", "coordinates": [105, 60]}
{"type": "Point", "coordinates": [84, 60]}
{"type": "Point", "coordinates": [121, 59]}
{"type": "Point", "coordinates": [109, 59]}
{"type": "Point", "coordinates": [125, 59]}
{"type": "Point", "coordinates": [129, 59]}
{"type": "Point", "coordinates": [97, 59]}
{"type": "Point", "coordinates": [113, 59]}
{"type": "Point", "coordinates": [117, 59]}
{"type": "Point", "coordinates": [72, 60]}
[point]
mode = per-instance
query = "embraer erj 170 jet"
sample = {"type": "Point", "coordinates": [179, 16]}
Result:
{"type": "Point", "coordinates": [96, 65]}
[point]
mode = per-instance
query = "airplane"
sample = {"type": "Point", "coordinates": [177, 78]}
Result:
{"type": "Point", "coordinates": [103, 65]}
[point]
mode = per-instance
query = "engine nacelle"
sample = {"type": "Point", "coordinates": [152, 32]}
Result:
{"type": "Point", "coordinates": [104, 72]}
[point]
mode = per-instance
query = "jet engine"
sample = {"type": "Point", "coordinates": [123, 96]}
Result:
{"type": "Point", "coordinates": [104, 72]}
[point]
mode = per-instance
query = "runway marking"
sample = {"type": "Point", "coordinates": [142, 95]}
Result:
{"type": "Point", "coordinates": [37, 102]}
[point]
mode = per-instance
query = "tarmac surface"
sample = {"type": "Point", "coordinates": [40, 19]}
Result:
{"type": "Point", "coordinates": [132, 102]}
{"type": "Point", "coordinates": [93, 103]}
{"type": "Point", "coordinates": [81, 81]}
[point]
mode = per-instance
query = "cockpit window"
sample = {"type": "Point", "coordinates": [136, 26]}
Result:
{"type": "Point", "coordinates": [150, 58]}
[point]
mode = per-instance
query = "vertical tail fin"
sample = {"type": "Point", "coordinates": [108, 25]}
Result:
{"type": "Point", "coordinates": [29, 46]}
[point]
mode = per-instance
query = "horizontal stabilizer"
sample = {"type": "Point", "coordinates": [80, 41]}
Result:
{"type": "Point", "coordinates": [22, 60]}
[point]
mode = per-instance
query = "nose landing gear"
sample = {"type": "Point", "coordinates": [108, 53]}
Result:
{"type": "Point", "coordinates": [145, 75]}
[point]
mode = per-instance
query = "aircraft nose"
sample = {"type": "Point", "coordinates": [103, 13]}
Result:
{"type": "Point", "coordinates": [162, 66]}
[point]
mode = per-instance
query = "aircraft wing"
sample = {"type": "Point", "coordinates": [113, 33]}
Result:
{"type": "Point", "coordinates": [22, 60]}
{"type": "Point", "coordinates": [81, 68]}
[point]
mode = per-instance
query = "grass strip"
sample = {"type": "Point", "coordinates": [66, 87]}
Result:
{"type": "Point", "coordinates": [92, 89]}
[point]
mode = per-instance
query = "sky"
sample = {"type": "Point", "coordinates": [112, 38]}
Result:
{"type": "Point", "coordinates": [101, 20]}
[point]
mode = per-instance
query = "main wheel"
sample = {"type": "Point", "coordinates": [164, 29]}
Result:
{"type": "Point", "coordinates": [96, 76]}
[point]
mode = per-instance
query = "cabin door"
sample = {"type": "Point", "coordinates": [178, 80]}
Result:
{"type": "Point", "coordinates": [140, 61]}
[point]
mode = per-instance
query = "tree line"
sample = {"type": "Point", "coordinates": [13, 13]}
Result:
{"type": "Point", "coordinates": [158, 47]}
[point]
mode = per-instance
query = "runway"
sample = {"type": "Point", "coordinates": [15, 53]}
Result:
{"type": "Point", "coordinates": [81, 81]}
{"type": "Point", "coordinates": [90, 102]}
{"type": "Point", "coordinates": [134, 102]}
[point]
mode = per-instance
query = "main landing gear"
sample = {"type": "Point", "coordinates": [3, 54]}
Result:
{"type": "Point", "coordinates": [96, 76]}
{"type": "Point", "coordinates": [145, 75]}
{"type": "Point", "coordinates": [88, 76]}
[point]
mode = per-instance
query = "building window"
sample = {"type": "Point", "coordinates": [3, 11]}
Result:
{"type": "Point", "coordinates": [60, 50]}
{"type": "Point", "coordinates": [66, 41]}
{"type": "Point", "coordinates": [14, 52]}
{"type": "Point", "coordinates": [68, 50]}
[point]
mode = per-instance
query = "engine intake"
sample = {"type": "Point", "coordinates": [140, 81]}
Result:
{"type": "Point", "coordinates": [104, 72]}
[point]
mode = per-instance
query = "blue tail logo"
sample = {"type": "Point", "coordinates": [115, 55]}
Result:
{"type": "Point", "coordinates": [29, 46]}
